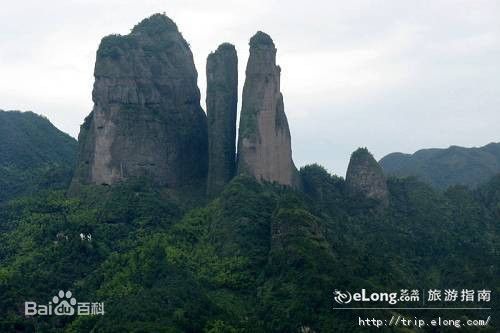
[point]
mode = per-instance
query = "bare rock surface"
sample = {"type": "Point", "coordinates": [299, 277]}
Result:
{"type": "Point", "coordinates": [264, 142]}
{"type": "Point", "coordinates": [147, 119]}
{"type": "Point", "coordinates": [222, 102]}
{"type": "Point", "coordinates": [365, 177]}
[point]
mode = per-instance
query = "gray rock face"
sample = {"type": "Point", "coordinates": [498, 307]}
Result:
{"type": "Point", "coordinates": [222, 102]}
{"type": "Point", "coordinates": [365, 177]}
{"type": "Point", "coordinates": [264, 143]}
{"type": "Point", "coordinates": [147, 119]}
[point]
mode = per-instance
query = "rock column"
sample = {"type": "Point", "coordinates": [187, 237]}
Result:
{"type": "Point", "coordinates": [222, 101]}
{"type": "Point", "coordinates": [264, 143]}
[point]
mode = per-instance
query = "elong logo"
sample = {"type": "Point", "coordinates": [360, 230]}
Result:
{"type": "Point", "coordinates": [63, 304]}
{"type": "Point", "coordinates": [363, 296]}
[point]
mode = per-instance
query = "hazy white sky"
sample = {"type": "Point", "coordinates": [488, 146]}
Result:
{"type": "Point", "coordinates": [391, 75]}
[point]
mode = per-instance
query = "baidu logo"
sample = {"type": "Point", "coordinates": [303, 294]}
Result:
{"type": "Point", "coordinates": [63, 304]}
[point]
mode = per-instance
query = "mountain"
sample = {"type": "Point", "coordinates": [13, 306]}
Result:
{"type": "Point", "coordinates": [258, 258]}
{"type": "Point", "coordinates": [264, 141]}
{"type": "Point", "coordinates": [265, 251]}
{"type": "Point", "coordinates": [147, 119]}
{"type": "Point", "coordinates": [34, 154]}
{"type": "Point", "coordinates": [222, 102]}
{"type": "Point", "coordinates": [365, 177]}
{"type": "Point", "coordinates": [446, 167]}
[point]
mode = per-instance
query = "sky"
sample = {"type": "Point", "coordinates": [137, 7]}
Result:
{"type": "Point", "coordinates": [389, 75]}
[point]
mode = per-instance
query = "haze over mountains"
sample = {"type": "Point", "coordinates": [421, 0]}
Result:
{"type": "Point", "coordinates": [445, 167]}
{"type": "Point", "coordinates": [32, 151]}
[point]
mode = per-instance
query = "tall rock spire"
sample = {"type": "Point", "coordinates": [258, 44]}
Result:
{"type": "Point", "coordinates": [365, 177]}
{"type": "Point", "coordinates": [147, 119]}
{"type": "Point", "coordinates": [222, 101]}
{"type": "Point", "coordinates": [264, 143]}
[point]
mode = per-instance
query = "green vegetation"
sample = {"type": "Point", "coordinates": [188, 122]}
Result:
{"type": "Point", "coordinates": [155, 24]}
{"type": "Point", "coordinates": [446, 167]}
{"type": "Point", "coordinates": [261, 38]}
{"type": "Point", "coordinates": [34, 155]}
{"type": "Point", "coordinates": [117, 46]}
{"type": "Point", "coordinates": [248, 124]}
{"type": "Point", "coordinates": [362, 154]}
{"type": "Point", "coordinates": [258, 258]}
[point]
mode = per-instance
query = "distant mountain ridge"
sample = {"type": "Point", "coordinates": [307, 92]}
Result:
{"type": "Point", "coordinates": [28, 139]}
{"type": "Point", "coordinates": [34, 154]}
{"type": "Point", "coordinates": [446, 167]}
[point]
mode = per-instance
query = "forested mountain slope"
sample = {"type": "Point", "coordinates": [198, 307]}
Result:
{"type": "Point", "coordinates": [34, 154]}
{"type": "Point", "coordinates": [445, 167]}
{"type": "Point", "coordinates": [258, 258]}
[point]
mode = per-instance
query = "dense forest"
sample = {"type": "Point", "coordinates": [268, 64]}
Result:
{"type": "Point", "coordinates": [34, 155]}
{"type": "Point", "coordinates": [258, 258]}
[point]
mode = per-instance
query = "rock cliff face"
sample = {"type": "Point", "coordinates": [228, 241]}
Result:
{"type": "Point", "coordinates": [222, 101]}
{"type": "Point", "coordinates": [264, 143]}
{"type": "Point", "coordinates": [147, 119]}
{"type": "Point", "coordinates": [365, 177]}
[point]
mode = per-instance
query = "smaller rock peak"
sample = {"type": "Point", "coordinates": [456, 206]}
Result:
{"type": "Point", "coordinates": [155, 24]}
{"type": "Point", "coordinates": [365, 177]}
{"type": "Point", "coordinates": [222, 104]}
{"type": "Point", "coordinates": [363, 157]}
{"type": "Point", "coordinates": [361, 153]}
{"type": "Point", "coordinates": [261, 39]}
{"type": "Point", "coordinates": [225, 49]}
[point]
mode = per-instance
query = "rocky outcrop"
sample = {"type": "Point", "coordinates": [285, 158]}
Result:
{"type": "Point", "coordinates": [264, 143]}
{"type": "Point", "coordinates": [365, 177]}
{"type": "Point", "coordinates": [147, 119]}
{"type": "Point", "coordinates": [222, 101]}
